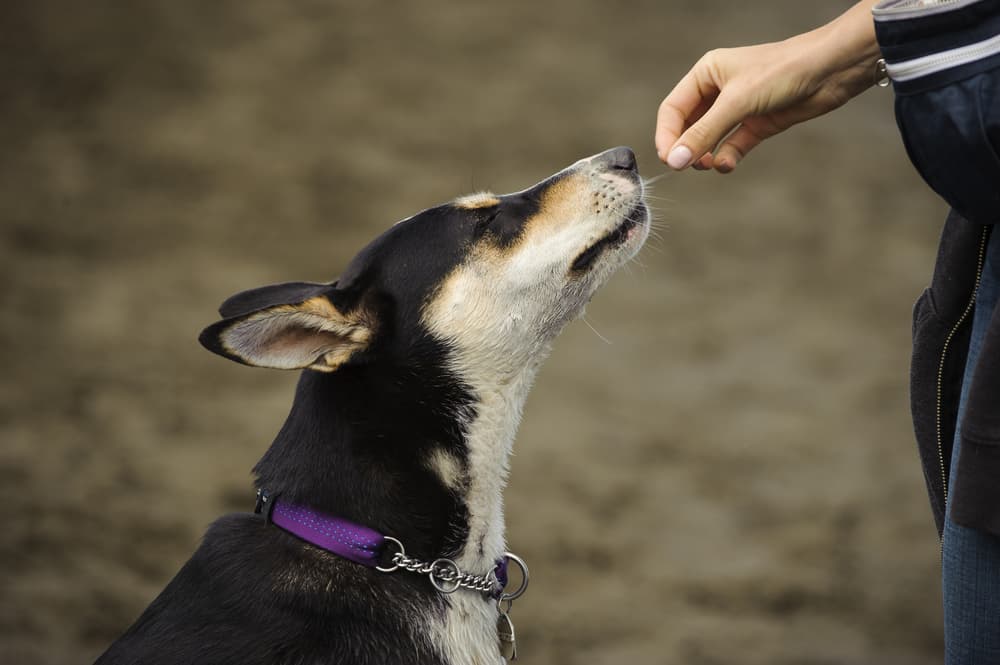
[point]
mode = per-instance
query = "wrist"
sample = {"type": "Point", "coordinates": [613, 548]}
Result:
{"type": "Point", "coordinates": [845, 49]}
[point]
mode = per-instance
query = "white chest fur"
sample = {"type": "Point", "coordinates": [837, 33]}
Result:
{"type": "Point", "coordinates": [467, 632]}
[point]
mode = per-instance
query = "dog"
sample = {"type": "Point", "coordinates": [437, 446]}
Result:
{"type": "Point", "coordinates": [379, 532]}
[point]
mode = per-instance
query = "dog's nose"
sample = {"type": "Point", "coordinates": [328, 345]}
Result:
{"type": "Point", "coordinates": [621, 158]}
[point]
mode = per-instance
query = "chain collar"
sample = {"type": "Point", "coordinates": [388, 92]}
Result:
{"type": "Point", "coordinates": [447, 577]}
{"type": "Point", "coordinates": [370, 548]}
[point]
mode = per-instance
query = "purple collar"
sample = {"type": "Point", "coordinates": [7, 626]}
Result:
{"type": "Point", "coordinates": [369, 548]}
{"type": "Point", "coordinates": [345, 539]}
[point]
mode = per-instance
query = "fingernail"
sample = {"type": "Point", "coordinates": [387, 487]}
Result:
{"type": "Point", "coordinates": [679, 157]}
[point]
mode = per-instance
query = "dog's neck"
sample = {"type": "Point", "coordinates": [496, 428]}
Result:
{"type": "Point", "coordinates": [489, 442]}
{"type": "Point", "coordinates": [421, 457]}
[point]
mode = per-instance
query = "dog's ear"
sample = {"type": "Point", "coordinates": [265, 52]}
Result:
{"type": "Point", "coordinates": [288, 326]}
{"type": "Point", "coordinates": [254, 300]}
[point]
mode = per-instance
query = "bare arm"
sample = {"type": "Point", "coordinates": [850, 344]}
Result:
{"type": "Point", "coordinates": [754, 92]}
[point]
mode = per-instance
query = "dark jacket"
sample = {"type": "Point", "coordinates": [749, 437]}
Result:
{"type": "Point", "coordinates": [942, 319]}
{"type": "Point", "coordinates": [945, 71]}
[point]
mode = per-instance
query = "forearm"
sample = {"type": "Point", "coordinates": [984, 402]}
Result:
{"type": "Point", "coordinates": [846, 48]}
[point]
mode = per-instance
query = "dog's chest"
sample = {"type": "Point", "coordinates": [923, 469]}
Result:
{"type": "Point", "coordinates": [466, 632]}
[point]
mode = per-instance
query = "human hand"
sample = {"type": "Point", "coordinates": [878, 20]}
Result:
{"type": "Point", "coordinates": [733, 99]}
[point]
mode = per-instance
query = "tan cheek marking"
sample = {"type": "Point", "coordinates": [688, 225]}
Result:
{"type": "Point", "coordinates": [478, 200]}
{"type": "Point", "coordinates": [456, 293]}
{"type": "Point", "coordinates": [560, 205]}
{"type": "Point", "coordinates": [564, 197]}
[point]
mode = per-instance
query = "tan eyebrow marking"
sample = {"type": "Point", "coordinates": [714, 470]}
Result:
{"type": "Point", "coordinates": [477, 200]}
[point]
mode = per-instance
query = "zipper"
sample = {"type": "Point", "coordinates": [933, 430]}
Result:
{"type": "Point", "coordinates": [940, 374]}
{"type": "Point", "coordinates": [936, 62]}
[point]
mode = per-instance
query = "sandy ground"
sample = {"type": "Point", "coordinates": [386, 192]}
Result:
{"type": "Point", "coordinates": [730, 478]}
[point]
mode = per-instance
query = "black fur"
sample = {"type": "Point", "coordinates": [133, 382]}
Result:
{"type": "Point", "coordinates": [354, 445]}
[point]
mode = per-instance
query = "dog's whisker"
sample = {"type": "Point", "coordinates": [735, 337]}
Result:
{"type": "Point", "coordinates": [643, 268]}
{"type": "Point", "coordinates": [656, 178]}
{"type": "Point", "coordinates": [656, 212]}
{"type": "Point", "coordinates": [654, 246]}
{"type": "Point", "coordinates": [599, 335]}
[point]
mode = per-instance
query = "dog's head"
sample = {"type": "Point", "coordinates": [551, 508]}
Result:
{"type": "Point", "coordinates": [490, 278]}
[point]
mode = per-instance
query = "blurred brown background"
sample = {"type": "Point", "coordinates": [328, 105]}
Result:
{"type": "Point", "coordinates": [731, 480]}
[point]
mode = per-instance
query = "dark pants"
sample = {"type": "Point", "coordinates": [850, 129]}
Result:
{"type": "Point", "coordinates": [970, 560]}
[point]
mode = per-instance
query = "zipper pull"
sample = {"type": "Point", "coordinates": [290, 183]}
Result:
{"type": "Point", "coordinates": [881, 73]}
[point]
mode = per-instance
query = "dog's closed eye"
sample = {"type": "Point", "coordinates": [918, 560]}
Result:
{"type": "Point", "coordinates": [486, 218]}
{"type": "Point", "coordinates": [502, 224]}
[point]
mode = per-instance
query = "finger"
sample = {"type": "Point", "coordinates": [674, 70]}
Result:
{"type": "Point", "coordinates": [747, 136]}
{"type": "Point", "coordinates": [689, 97]}
{"type": "Point", "coordinates": [703, 163]}
{"type": "Point", "coordinates": [670, 124]}
{"type": "Point", "coordinates": [701, 109]}
{"type": "Point", "coordinates": [704, 135]}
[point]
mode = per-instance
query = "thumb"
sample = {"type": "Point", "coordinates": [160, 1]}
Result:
{"type": "Point", "coordinates": [702, 137]}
